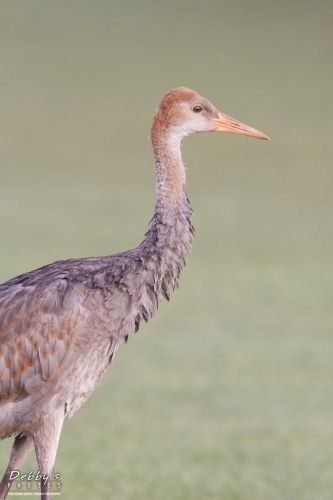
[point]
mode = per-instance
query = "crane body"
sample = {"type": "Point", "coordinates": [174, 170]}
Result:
{"type": "Point", "coordinates": [61, 325]}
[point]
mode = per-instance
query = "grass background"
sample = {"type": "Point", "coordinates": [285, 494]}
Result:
{"type": "Point", "coordinates": [227, 394]}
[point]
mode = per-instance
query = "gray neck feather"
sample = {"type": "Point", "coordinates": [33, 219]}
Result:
{"type": "Point", "coordinates": [169, 238]}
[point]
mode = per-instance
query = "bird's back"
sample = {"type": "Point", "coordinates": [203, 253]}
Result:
{"type": "Point", "coordinates": [60, 326]}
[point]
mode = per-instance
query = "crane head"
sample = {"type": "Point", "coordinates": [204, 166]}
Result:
{"type": "Point", "coordinates": [183, 112]}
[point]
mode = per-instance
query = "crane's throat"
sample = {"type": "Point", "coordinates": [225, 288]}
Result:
{"type": "Point", "coordinates": [169, 238]}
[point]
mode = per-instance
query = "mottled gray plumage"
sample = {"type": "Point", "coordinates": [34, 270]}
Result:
{"type": "Point", "coordinates": [61, 325]}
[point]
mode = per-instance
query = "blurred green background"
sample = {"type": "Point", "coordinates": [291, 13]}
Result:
{"type": "Point", "coordinates": [227, 394]}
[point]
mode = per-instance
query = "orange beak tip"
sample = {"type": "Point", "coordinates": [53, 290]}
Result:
{"type": "Point", "coordinates": [227, 124]}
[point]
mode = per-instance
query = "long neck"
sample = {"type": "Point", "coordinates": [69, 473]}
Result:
{"type": "Point", "coordinates": [169, 238]}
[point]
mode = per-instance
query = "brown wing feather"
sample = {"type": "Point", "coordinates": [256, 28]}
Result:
{"type": "Point", "coordinates": [59, 329]}
{"type": "Point", "coordinates": [36, 336]}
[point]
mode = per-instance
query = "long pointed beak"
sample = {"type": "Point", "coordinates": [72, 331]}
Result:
{"type": "Point", "coordinates": [227, 124]}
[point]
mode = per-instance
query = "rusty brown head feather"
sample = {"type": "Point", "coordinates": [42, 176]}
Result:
{"type": "Point", "coordinates": [185, 112]}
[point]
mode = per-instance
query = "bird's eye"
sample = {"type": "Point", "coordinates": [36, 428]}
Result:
{"type": "Point", "coordinates": [197, 108]}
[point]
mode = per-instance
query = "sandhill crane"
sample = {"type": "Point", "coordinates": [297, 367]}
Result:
{"type": "Point", "coordinates": [61, 325]}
